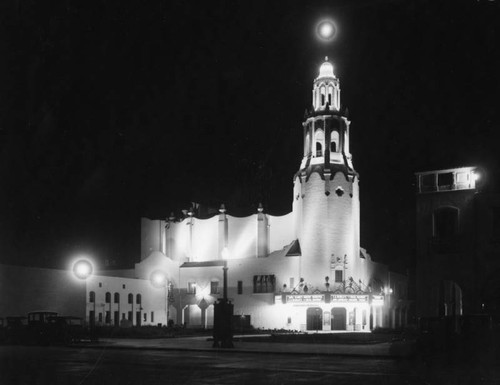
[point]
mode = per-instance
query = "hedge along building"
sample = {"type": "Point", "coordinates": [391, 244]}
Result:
{"type": "Point", "coordinates": [302, 271]}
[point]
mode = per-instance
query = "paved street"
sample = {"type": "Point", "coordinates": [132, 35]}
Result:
{"type": "Point", "coordinates": [61, 365]}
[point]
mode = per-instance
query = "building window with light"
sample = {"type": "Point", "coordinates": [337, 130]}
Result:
{"type": "Point", "coordinates": [191, 288]}
{"type": "Point", "coordinates": [92, 296]}
{"type": "Point", "coordinates": [214, 287]}
{"type": "Point", "coordinates": [108, 297]}
{"type": "Point", "coordinates": [264, 283]}
{"type": "Point", "coordinates": [130, 298]}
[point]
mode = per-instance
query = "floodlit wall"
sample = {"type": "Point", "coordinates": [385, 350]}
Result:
{"type": "Point", "coordinates": [124, 312]}
{"type": "Point", "coordinates": [26, 289]}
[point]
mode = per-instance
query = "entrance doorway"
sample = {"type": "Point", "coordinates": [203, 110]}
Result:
{"type": "Point", "coordinates": [314, 318]}
{"type": "Point", "coordinates": [338, 318]}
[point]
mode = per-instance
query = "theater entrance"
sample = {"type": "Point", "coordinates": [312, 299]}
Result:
{"type": "Point", "coordinates": [314, 318]}
{"type": "Point", "coordinates": [338, 318]}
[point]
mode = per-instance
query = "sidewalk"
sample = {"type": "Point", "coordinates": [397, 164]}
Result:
{"type": "Point", "coordinates": [380, 350]}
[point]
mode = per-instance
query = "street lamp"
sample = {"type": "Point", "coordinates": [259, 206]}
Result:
{"type": "Point", "coordinates": [159, 279]}
{"type": "Point", "coordinates": [326, 30]}
{"type": "Point", "coordinates": [82, 269]}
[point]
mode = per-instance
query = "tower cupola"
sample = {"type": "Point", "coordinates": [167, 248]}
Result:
{"type": "Point", "coordinates": [326, 90]}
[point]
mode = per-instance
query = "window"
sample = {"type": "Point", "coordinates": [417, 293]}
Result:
{"type": "Point", "coordinates": [445, 181]}
{"type": "Point", "coordinates": [334, 140]}
{"type": "Point", "coordinates": [338, 276]}
{"type": "Point", "coordinates": [428, 182]}
{"type": "Point", "coordinates": [130, 298]}
{"type": "Point", "coordinates": [123, 286]}
{"type": "Point", "coordinates": [152, 316]}
{"type": "Point", "coordinates": [191, 287]}
{"type": "Point", "coordinates": [445, 222]}
{"type": "Point", "coordinates": [145, 319]}
{"type": "Point", "coordinates": [263, 283]}
{"type": "Point", "coordinates": [240, 287]}
{"type": "Point", "coordinates": [130, 316]}
{"type": "Point", "coordinates": [214, 287]}
{"type": "Point", "coordinates": [100, 284]}
{"type": "Point", "coordinates": [138, 299]}
{"type": "Point", "coordinates": [108, 297]}
{"type": "Point", "coordinates": [108, 317]}
{"type": "Point", "coordinates": [92, 296]}
{"type": "Point", "coordinates": [100, 317]}
{"type": "Point", "coordinates": [117, 298]}
{"type": "Point", "coordinates": [319, 149]}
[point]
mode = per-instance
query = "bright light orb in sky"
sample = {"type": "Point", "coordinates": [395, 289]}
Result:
{"type": "Point", "coordinates": [326, 30]}
{"type": "Point", "coordinates": [82, 269]}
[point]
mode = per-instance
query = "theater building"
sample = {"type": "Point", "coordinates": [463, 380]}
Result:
{"type": "Point", "coordinates": [302, 271]}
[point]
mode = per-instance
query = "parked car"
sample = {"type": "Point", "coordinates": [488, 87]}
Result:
{"type": "Point", "coordinates": [66, 329]}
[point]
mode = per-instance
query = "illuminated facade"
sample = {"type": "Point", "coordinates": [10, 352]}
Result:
{"type": "Point", "coordinates": [301, 271]}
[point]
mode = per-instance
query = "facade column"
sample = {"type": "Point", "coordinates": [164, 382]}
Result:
{"type": "Point", "coordinates": [262, 233]}
{"type": "Point", "coordinates": [223, 231]}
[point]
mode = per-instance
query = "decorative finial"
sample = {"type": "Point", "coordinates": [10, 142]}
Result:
{"type": "Point", "coordinates": [260, 209]}
{"type": "Point", "coordinates": [326, 58]}
{"type": "Point", "coordinates": [222, 208]}
{"type": "Point", "coordinates": [171, 218]}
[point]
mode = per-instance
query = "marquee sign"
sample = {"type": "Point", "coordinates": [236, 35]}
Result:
{"type": "Point", "coordinates": [349, 298]}
{"type": "Point", "coordinates": [326, 298]}
{"type": "Point", "coordinates": [305, 298]}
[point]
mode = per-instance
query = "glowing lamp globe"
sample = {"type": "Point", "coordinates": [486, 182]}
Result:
{"type": "Point", "coordinates": [158, 278]}
{"type": "Point", "coordinates": [82, 269]}
{"type": "Point", "coordinates": [326, 30]}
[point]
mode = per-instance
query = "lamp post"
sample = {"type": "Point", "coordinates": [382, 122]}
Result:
{"type": "Point", "coordinates": [82, 270]}
{"type": "Point", "coordinates": [223, 312]}
{"type": "Point", "coordinates": [159, 280]}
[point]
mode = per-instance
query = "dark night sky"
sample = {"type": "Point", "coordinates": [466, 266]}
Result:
{"type": "Point", "coordinates": [114, 110]}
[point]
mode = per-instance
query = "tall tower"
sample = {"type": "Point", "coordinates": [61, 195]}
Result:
{"type": "Point", "coordinates": [326, 195]}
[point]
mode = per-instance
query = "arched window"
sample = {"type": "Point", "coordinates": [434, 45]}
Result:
{"type": "Point", "coordinates": [330, 94]}
{"type": "Point", "coordinates": [108, 297]}
{"type": "Point", "coordinates": [319, 149]}
{"type": "Point", "coordinates": [323, 92]}
{"type": "Point", "coordinates": [130, 298]}
{"type": "Point", "coordinates": [445, 222]}
{"type": "Point", "coordinates": [92, 296]}
{"type": "Point", "coordinates": [117, 298]}
{"type": "Point", "coordinates": [319, 138]}
{"type": "Point", "coordinates": [138, 299]}
{"type": "Point", "coordinates": [334, 144]}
